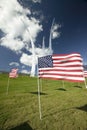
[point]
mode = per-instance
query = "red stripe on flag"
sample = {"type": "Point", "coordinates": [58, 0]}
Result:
{"type": "Point", "coordinates": [13, 73]}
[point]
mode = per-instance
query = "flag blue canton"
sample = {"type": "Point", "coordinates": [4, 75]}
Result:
{"type": "Point", "coordinates": [44, 62]}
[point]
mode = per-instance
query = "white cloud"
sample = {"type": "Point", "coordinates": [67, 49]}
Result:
{"type": "Point", "coordinates": [42, 52]}
{"type": "Point", "coordinates": [13, 44]}
{"type": "Point", "coordinates": [55, 32]}
{"type": "Point", "coordinates": [27, 59]}
{"type": "Point", "coordinates": [36, 1]}
{"type": "Point", "coordinates": [10, 12]}
{"type": "Point", "coordinates": [55, 35]}
{"type": "Point", "coordinates": [23, 67]}
{"type": "Point", "coordinates": [33, 28]}
{"type": "Point", "coordinates": [25, 71]}
{"type": "Point", "coordinates": [14, 63]}
{"type": "Point", "coordinates": [17, 26]}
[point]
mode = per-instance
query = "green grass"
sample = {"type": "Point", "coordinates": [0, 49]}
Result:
{"type": "Point", "coordinates": [62, 107]}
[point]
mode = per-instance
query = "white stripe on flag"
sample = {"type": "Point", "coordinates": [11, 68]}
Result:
{"type": "Point", "coordinates": [13, 73]}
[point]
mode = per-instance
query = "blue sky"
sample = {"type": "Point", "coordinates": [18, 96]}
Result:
{"type": "Point", "coordinates": [26, 21]}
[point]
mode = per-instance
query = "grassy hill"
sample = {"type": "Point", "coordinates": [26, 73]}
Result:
{"type": "Point", "coordinates": [63, 107]}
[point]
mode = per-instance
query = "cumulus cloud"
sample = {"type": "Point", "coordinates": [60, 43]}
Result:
{"type": "Point", "coordinates": [55, 32]}
{"type": "Point", "coordinates": [13, 44]}
{"type": "Point", "coordinates": [33, 28]}
{"type": "Point", "coordinates": [16, 26]}
{"type": "Point", "coordinates": [36, 1]}
{"type": "Point", "coordinates": [9, 16]}
{"type": "Point", "coordinates": [25, 71]}
{"type": "Point", "coordinates": [14, 63]}
{"type": "Point", "coordinates": [27, 59]}
{"type": "Point", "coordinates": [23, 67]}
{"type": "Point", "coordinates": [42, 52]}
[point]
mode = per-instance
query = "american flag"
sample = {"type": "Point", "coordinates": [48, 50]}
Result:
{"type": "Point", "coordinates": [61, 67]}
{"type": "Point", "coordinates": [13, 73]}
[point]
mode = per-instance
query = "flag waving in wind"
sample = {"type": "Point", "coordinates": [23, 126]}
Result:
{"type": "Point", "coordinates": [61, 67]}
{"type": "Point", "coordinates": [13, 73]}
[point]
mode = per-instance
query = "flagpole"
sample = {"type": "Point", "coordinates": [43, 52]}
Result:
{"type": "Point", "coordinates": [84, 80]}
{"type": "Point", "coordinates": [85, 83]}
{"type": "Point", "coordinates": [39, 99]}
{"type": "Point", "coordinates": [41, 84]}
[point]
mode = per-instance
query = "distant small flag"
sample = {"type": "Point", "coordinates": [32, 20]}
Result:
{"type": "Point", "coordinates": [13, 73]}
{"type": "Point", "coordinates": [85, 73]}
{"type": "Point", "coordinates": [61, 67]}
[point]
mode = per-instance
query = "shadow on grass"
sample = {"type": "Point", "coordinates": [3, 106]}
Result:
{"type": "Point", "coordinates": [37, 93]}
{"type": "Point", "coordinates": [78, 86]}
{"type": "Point", "coordinates": [24, 126]}
{"type": "Point", "coordinates": [61, 89]}
{"type": "Point", "coordinates": [83, 108]}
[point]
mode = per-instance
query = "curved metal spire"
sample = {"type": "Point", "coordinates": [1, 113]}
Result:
{"type": "Point", "coordinates": [33, 53]}
{"type": "Point", "coordinates": [50, 37]}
